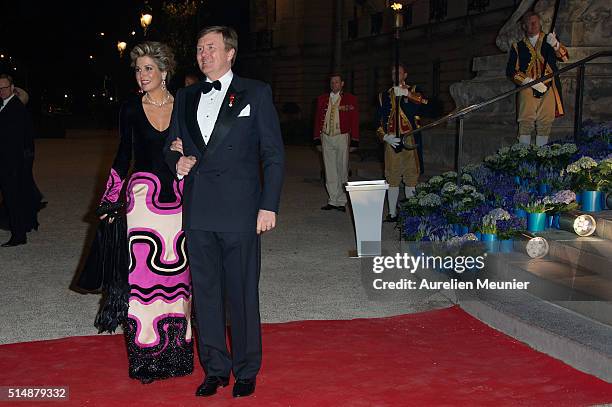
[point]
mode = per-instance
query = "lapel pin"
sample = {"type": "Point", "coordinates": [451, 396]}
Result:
{"type": "Point", "coordinates": [231, 99]}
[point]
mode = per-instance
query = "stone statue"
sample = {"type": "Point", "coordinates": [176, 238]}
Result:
{"type": "Point", "coordinates": [579, 23]}
{"type": "Point", "coordinates": [512, 31]}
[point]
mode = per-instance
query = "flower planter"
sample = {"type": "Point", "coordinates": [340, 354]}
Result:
{"type": "Point", "coordinates": [549, 221]}
{"type": "Point", "coordinates": [463, 230]}
{"type": "Point", "coordinates": [578, 197]}
{"type": "Point", "coordinates": [457, 229]}
{"type": "Point", "coordinates": [506, 246]}
{"type": "Point", "coordinates": [536, 222]}
{"type": "Point", "coordinates": [555, 221]}
{"type": "Point", "coordinates": [491, 243]}
{"type": "Point", "coordinates": [607, 201]}
{"type": "Point", "coordinates": [521, 213]}
{"type": "Point", "coordinates": [478, 235]}
{"type": "Point", "coordinates": [591, 201]}
{"type": "Point", "coordinates": [544, 189]}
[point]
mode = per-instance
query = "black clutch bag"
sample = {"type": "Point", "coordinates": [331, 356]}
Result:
{"type": "Point", "coordinates": [110, 208]}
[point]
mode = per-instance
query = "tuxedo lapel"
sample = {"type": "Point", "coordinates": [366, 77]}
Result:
{"type": "Point", "coordinates": [192, 102]}
{"type": "Point", "coordinates": [227, 114]}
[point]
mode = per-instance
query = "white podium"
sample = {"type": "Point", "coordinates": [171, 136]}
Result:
{"type": "Point", "coordinates": [367, 201]}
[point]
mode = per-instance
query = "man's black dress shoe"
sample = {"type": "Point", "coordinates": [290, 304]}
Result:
{"type": "Point", "coordinates": [328, 207]}
{"type": "Point", "coordinates": [243, 387]}
{"type": "Point", "coordinates": [210, 384]}
{"type": "Point", "coordinates": [341, 208]}
{"type": "Point", "coordinates": [391, 219]}
{"type": "Point", "coordinates": [15, 242]}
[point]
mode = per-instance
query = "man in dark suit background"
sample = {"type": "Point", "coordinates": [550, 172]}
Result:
{"type": "Point", "coordinates": [228, 129]}
{"type": "Point", "coordinates": [16, 153]}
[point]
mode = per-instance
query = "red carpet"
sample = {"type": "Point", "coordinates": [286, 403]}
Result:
{"type": "Point", "coordinates": [437, 358]}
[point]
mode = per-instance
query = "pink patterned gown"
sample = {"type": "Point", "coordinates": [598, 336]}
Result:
{"type": "Point", "coordinates": [158, 331]}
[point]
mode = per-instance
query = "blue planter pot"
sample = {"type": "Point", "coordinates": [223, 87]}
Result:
{"type": "Point", "coordinates": [549, 221]}
{"type": "Point", "coordinates": [544, 189]}
{"type": "Point", "coordinates": [506, 246]}
{"type": "Point", "coordinates": [491, 243]}
{"type": "Point", "coordinates": [478, 235]}
{"type": "Point", "coordinates": [520, 213]}
{"type": "Point", "coordinates": [463, 230]}
{"type": "Point", "coordinates": [591, 201]}
{"type": "Point", "coordinates": [555, 221]}
{"type": "Point", "coordinates": [536, 222]}
{"type": "Point", "coordinates": [578, 197]}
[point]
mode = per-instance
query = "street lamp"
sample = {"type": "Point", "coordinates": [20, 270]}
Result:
{"type": "Point", "coordinates": [398, 25]}
{"type": "Point", "coordinates": [145, 21]}
{"type": "Point", "coordinates": [399, 17]}
{"type": "Point", "coordinates": [121, 45]}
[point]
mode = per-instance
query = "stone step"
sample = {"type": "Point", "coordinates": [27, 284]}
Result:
{"type": "Point", "coordinates": [591, 253]}
{"type": "Point", "coordinates": [549, 328]}
{"type": "Point", "coordinates": [565, 284]}
{"type": "Point", "coordinates": [604, 224]}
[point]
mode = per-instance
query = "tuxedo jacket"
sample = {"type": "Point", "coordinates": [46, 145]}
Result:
{"type": "Point", "coordinates": [240, 170]}
{"type": "Point", "coordinates": [16, 134]}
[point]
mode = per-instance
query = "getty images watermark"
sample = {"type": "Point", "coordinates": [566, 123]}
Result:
{"type": "Point", "coordinates": [401, 270]}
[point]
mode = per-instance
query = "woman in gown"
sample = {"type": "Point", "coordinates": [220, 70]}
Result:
{"type": "Point", "coordinates": [158, 329]}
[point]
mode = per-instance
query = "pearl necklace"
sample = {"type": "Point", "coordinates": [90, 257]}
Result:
{"type": "Point", "coordinates": [158, 104]}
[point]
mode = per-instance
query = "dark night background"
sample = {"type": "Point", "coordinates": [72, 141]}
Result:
{"type": "Point", "coordinates": [47, 46]}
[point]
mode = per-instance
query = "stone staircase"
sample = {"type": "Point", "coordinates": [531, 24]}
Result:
{"type": "Point", "coordinates": [567, 310]}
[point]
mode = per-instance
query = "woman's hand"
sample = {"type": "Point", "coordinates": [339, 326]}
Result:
{"type": "Point", "coordinates": [110, 220]}
{"type": "Point", "coordinates": [177, 145]}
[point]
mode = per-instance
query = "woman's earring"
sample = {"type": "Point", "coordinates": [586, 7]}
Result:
{"type": "Point", "coordinates": [164, 84]}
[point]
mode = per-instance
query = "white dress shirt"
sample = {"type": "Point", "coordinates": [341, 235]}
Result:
{"type": "Point", "coordinates": [8, 99]}
{"type": "Point", "coordinates": [210, 105]}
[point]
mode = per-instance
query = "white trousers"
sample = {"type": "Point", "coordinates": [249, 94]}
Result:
{"type": "Point", "coordinates": [335, 160]}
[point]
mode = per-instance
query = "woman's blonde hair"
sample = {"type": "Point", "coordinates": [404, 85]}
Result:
{"type": "Point", "coordinates": [158, 52]}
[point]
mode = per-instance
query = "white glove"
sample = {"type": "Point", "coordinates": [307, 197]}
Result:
{"type": "Point", "coordinates": [392, 140]}
{"type": "Point", "coordinates": [399, 91]}
{"type": "Point", "coordinates": [527, 80]}
{"type": "Point", "coordinates": [540, 87]}
{"type": "Point", "coordinates": [552, 40]}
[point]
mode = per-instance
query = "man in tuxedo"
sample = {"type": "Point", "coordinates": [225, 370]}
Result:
{"type": "Point", "coordinates": [228, 126]}
{"type": "Point", "coordinates": [16, 148]}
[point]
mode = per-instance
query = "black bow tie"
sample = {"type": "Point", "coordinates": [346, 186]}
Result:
{"type": "Point", "coordinates": [208, 86]}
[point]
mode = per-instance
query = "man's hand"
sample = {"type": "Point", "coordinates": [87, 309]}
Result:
{"type": "Point", "coordinates": [552, 40]}
{"type": "Point", "coordinates": [266, 220]}
{"type": "Point", "coordinates": [527, 80]}
{"type": "Point", "coordinates": [392, 140]}
{"type": "Point", "coordinates": [177, 145]}
{"type": "Point", "coordinates": [352, 149]}
{"type": "Point", "coordinates": [184, 165]}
